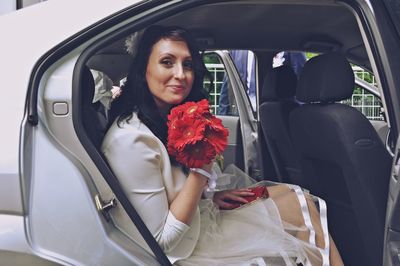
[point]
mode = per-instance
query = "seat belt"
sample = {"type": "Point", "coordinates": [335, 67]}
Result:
{"type": "Point", "coordinates": [109, 186]}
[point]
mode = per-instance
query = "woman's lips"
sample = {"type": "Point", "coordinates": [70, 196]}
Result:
{"type": "Point", "coordinates": [177, 88]}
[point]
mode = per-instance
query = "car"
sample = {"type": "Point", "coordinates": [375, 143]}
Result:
{"type": "Point", "coordinates": [61, 204]}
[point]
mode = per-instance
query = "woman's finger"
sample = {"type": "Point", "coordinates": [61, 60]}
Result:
{"type": "Point", "coordinates": [226, 205]}
{"type": "Point", "coordinates": [235, 198]}
{"type": "Point", "coordinates": [243, 192]}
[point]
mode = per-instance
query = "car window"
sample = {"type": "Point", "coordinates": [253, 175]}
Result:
{"type": "Point", "coordinates": [364, 100]}
{"type": "Point", "coordinates": [367, 102]}
{"type": "Point", "coordinates": [221, 96]}
{"type": "Point", "coordinates": [294, 59]}
{"type": "Point", "coordinates": [245, 64]}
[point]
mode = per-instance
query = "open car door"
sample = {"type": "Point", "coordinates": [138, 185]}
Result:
{"type": "Point", "coordinates": [387, 13]}
{"type": "Point", "coordinates": [392, 237]}
{"type": "Point", "coordinates": [239, 119]}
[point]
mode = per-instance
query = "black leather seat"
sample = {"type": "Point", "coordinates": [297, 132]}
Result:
{"type": "Point", "coordinates": [93, 114]}
{"type": "Point", "coordinates": [278, 101]}
{"type": "Point", "coordinates": [343, 159]}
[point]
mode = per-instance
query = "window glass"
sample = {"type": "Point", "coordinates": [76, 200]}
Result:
{"type": "Point", "coordinates": [221, 96]}
{"type": "Point", "coordinates": [295, 60]}
{"type": "Point", "coordinates": [222, 99]}
{"type": "Point", "coordinates": [245, 63]}
{"type": "Point", "coordinates": [362, 99]}
{"type": "Point", "coordinates": [367, 103]}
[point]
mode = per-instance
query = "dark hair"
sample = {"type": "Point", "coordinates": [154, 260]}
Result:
{"type": "Point", "coordinates": [136, 96]}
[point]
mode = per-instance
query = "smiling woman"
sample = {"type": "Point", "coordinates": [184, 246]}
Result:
{"type": "Point", "coordinates": [164, 75]}
{"type": "Point", "coordinates": [283, 227]}
{"type": "Point", "coordinates": [169, 73]}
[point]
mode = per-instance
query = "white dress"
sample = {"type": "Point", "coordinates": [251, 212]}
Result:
{"type": "Point", "coordinates": [254, 234]}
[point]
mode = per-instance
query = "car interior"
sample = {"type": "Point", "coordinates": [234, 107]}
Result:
{"type": "Point", "coordinates": [341, 154]}
{"type": "Point", "coordinates": [327, 147]}
{"type": "Point", "coordinates": [277, 102]}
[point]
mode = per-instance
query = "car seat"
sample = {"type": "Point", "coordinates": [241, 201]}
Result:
{"type": "Point", "coordinates": [93, 114]}
{"type": "Point", "coordinates": [95, 124]}
{"type": "Point", "coordinates": [342, 158]}
{"type": "Point", "coordinates": [277, 97]}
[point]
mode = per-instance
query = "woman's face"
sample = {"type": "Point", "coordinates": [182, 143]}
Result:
{"type": "Point", "coordinates": [169, 73]}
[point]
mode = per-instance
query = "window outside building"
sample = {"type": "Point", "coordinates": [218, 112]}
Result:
{"type": "Point", "coordinates": [7, 6]}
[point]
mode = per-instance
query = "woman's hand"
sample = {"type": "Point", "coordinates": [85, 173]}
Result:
{"type": "Point", "coordinates": [231, 199]}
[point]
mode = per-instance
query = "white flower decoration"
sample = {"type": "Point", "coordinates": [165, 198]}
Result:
{"type": "Point", "coordinates": [132, 43]}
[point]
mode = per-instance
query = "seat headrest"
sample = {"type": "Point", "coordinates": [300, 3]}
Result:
{"type": "Point", "coordinates": [326, 78]}
{"type": "Point", "coordinates": [279, 83]}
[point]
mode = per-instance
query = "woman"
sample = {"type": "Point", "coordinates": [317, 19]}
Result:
{"type": "Point", "coordinates": [167, 71]}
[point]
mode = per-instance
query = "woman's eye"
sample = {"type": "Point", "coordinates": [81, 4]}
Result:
{"type": "Point", "coordinates": [188, 65]}
{"type": "Point", "coordinates": [167, 62]}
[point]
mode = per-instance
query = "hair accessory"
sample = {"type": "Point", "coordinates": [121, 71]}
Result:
{"type": "Point", "coordinates": [132, 42]}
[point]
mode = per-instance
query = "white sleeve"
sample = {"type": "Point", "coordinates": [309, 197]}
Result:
{"type": "Point", "coordinates": [136, 161]}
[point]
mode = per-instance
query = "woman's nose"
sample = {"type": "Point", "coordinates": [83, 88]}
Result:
{"type": "Point", "coordinates": [179, 72]}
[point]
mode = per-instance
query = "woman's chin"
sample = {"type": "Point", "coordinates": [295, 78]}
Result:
{"type": "Point", "coordinates": [177, 100]}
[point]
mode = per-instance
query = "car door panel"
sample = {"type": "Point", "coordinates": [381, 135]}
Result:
{"type": "Point", "coordinates": [248, 123]}
{"type": "Point", "coordinates": [243, 145]}
{"type": "Point", "coordinates": [381, 128]}
{"type": "Point", "coordinates": [61, 164]}
{"type": "Point", "coordinates": [392, 237]}
{"type": "Point", "coordinates": [233, 153]}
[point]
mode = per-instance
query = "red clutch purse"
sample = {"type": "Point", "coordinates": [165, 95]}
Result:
{"type": "Point", "coordinates": [259, 192]}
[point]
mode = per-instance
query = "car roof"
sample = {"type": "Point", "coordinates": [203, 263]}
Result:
{"type": "Point", "coordinates": [32, 31]}
{"type": "Point", "coordinates": [264, 26]}
{"type": "Point", "coordinates": [318, 26]}
{"type": "Point", "coordinates": [26, 35]}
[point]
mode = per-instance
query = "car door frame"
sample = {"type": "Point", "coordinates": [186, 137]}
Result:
{"type": "Point", "coordinates": [247, 120]}
{"type": "Point", "coordinates": [73, 146]}
{"type": "Point", "coordinates": [383, 42]}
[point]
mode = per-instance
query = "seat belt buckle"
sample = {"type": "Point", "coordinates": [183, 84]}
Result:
{"type": "Point", "coordinates": [105, 206]}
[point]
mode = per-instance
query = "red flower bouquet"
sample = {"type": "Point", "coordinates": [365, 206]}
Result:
{"type": "Point", "coordinates": [195, 136]}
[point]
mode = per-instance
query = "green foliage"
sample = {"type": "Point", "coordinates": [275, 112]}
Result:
{"type": "Point", "coordinates": [310, 55]}
{"type": "Point", "coordinates": [211, 59]}
{"type": "Point", "coordinates": [368, 77]}
{"type": "Point", "coordinates": [357, 90]}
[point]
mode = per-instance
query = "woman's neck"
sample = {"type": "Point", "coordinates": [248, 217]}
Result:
{"type": "Point", "coordinates": [164, 112]}
{"type": "Point", "coordinates": [163, 109]}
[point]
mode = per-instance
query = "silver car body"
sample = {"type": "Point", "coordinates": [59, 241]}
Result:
{"type": "Point", "coordinates": [40, 158]}
{"type": "Point", "coordinates": [50, 188]}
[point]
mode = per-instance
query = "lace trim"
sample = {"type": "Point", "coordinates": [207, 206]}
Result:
{"type": "Point", "coordinates": [307, 220]}
{"type": "Point", "coordinates": [305, 212]}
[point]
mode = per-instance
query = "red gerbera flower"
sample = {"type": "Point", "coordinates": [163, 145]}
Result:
{"type": "Point", "coordinates": [216, 124]}
{"type": "Point", "coordinates": [186, 130]}
{"type": "Point", "coordinates": [200, 109]}
{"type": "Point", "coordinates": [177, 111]}
{"type": "Point", "coordinates": [192, 109]}
{"type": "Point", "coordinates": [218, 138]}
{"type": "Point", "coordinates": [195, 136]}
{"type": "Point", "coordinates": [196, 155]}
